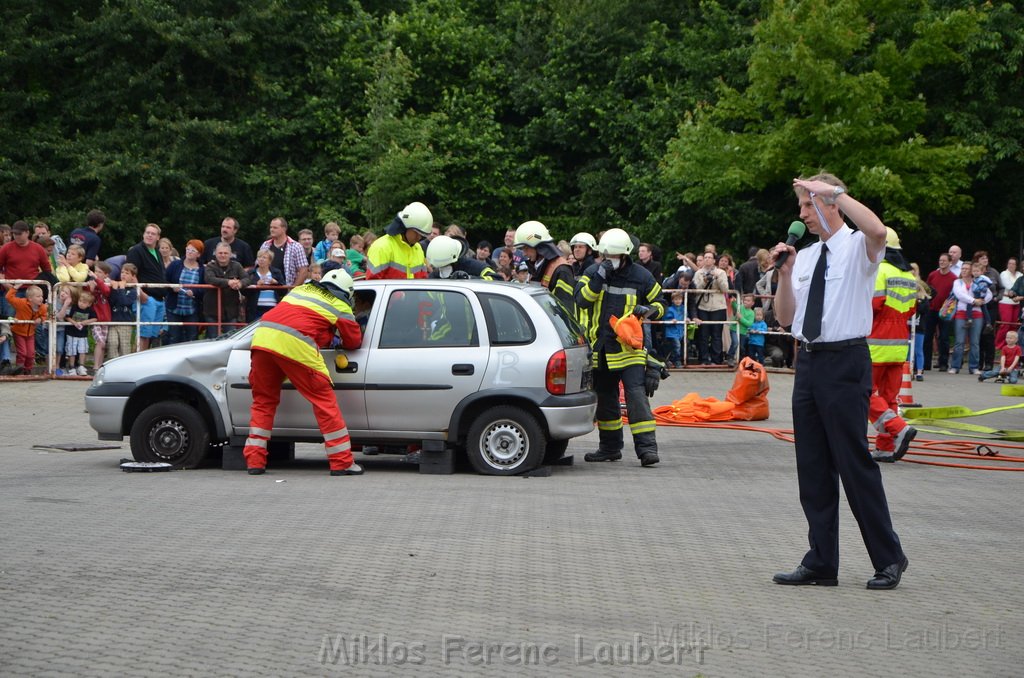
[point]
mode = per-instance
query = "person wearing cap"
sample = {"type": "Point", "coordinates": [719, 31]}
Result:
{"type": "Point", "coordinates": [547, 265]}
{"type": "Point", "coordinates": [522, 273]}
{"type": "Point", "coordinates": [286, 345]}
{"type": "Point", "coordinates": [893, 304]}
{"type": "Point", "coordinates": [397, 254]}
{"type": "Point", "coordinates": [339, 256]}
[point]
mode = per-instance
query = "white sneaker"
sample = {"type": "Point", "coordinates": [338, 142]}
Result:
{"type": "Point", "coordinates": [82, 372]}
{"type": "Point", "coordinates": [952, 371]}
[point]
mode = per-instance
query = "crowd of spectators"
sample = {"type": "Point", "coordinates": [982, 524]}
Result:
{"type": "Point", "coordinates": [718, 311]}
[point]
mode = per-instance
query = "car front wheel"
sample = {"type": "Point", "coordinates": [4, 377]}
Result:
{"type": "Point", "coordinates": [170, 432]}
{"type": "Point", "coordinates": [504, 441]}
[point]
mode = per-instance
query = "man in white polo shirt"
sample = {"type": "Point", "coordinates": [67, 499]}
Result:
{"type": "Point", "coordinates": [825, 293]}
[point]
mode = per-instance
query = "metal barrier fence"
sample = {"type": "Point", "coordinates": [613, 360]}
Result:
{"type": "Point", "coordinates": [53, 324]}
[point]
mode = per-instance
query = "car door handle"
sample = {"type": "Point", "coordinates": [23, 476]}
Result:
{"type": "Point", "coordinates": [351, 368]}
{"type": "Point", "coordinates": [463, 368]}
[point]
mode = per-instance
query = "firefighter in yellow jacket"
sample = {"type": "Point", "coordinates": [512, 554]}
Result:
{"type": "Point", "coordinates": [892, 306]}
{"type": "Point", "coordinates": [287, 345]}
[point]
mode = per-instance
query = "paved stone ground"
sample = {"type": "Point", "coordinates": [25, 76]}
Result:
{"type": "Point", "coordinates": [211, 572]}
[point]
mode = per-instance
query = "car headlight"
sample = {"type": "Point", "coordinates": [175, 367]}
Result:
{"type": "Point", "coordinates": [98, 378]}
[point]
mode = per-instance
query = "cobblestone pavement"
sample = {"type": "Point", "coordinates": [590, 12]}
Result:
{"type": "Point", "coordinates": [594, 568]}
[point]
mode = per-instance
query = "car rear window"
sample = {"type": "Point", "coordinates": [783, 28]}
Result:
{"type": "Point", "coordinates": [507, 322]}
{"type": "Point", "coordinates": [569, 331]}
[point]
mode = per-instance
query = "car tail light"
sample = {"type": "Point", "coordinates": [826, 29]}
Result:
{"type": "Point", "coordinates": [554, 377]}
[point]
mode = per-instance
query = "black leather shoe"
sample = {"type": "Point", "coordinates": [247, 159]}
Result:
{"type": "Point", "coordinates": [257, 471]}
{"type": "Point", "coordinates": [602, 456]}
{"type": "Point", "coordinates": [889, 578]}
{"type": "Point", "coordinates": [801, 576]}
{"type": "Point", "coordinates": [649, 459]}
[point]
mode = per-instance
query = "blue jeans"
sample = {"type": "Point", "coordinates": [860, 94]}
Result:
{"type": "Point", "coordinates": [1011, 377]}
{"type": "Point", "coordinates": [5, 350]}
{"type": "Point", "coordinates": [918, 352]}
{"type": "Point", "coordinates": [756, 353]}
{"type": "Point", "coordinates": [180, 333]}
{"type": "Point", "coordinates": [674, 353]}
{"type": "Point", "coordinates": [961, 329]}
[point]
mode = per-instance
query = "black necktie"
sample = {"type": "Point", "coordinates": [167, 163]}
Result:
{"type": "Point", "coordinates": [816, 298]}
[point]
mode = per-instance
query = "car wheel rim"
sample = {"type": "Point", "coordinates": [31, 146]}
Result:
{"type": "Point", "coordinates": [504, 445]}
{"type": "Point", "coordinates": [168, 439]}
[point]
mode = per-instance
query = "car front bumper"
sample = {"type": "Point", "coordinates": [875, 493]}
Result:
{"type": "Point", "coordinates": [105, 415]}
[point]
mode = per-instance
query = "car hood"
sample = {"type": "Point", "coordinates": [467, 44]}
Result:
{"type": "Point", "coordinates": [188, 359]}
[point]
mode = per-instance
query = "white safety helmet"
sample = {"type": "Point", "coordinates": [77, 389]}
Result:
{"type": "Point", "coordinates": [443, 251]}
{"type": "Point", "coordinates": [340, 279]}
{"type": "Point", "coordinates": [615, 242]}
{"type": "Point", "coordinates": [416, 216]}
{"type": "Point", "coordinates": [583, 239]}
{"type": "Point", "coordinates": [531, 234]}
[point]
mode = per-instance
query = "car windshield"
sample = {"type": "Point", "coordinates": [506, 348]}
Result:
{"type": "Point", "coordinates": [569, 331]}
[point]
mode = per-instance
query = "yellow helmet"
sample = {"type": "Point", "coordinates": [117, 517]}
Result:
{"type": "Point", "coordinates": [443, 251]}
{"type": "Point", "coordinates": [416, 216]}
{"type": "Point", "coordinates": [531, 234]}
{"type": "Point", "coordinates": [615, 242]}
{"type": "Point", "coordinates": [891, 239]}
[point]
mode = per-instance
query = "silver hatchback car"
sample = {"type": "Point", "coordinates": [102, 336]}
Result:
{"type": "Point", "coordinates": [495, 371]}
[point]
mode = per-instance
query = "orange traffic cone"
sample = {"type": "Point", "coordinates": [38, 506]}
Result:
{"type": "Point", "coordinates": [906, 397]}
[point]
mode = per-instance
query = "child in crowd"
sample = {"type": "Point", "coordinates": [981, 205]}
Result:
{"type": "Point", "coordinates": [322, 251]}
{"type": "Point", "coordinates": [72, 267]}
{"type": "Point", "coordinates": [356, 254]}
{"type": "Point", "coordinates": [675, 325]}
{"type": "Point", "coordinates": [124, 302]}
{"type": "Point", "coordinates": [745, 319]}
{"type": "Point", "coordinates": [31, 308]}
{"type": "Point", "coordinates": [1009, 362]}
{"type": "Point", "coordinates": [261, 301]}
{"type": "Point", "coordinates": [982, 283]}
{"type": "Point", "coordinates": [522, 274]}
{"type": "Point", "coordinates": [316, 271]}
{"type": "Point", "coordinates": [756, 335]}
{"type": "Point", "coordinates": [100, 288]}
{"type": "Point", "coordinates": [80, 315]}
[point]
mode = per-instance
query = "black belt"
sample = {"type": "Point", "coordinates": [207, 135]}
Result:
{"type": "Point", "coordinates": [833, 345]}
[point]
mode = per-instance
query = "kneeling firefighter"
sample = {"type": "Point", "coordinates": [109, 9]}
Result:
{"type": "Point", "coordinates": [618, 287]}
{"type": "Point", "coordinates": [286, 345]}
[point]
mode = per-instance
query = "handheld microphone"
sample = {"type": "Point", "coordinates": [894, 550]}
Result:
{"type": "Point", "coordinates": [796, 231]}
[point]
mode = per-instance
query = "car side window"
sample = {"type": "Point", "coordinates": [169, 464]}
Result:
{"type": "Point", "coordinates": [507, 321]}
{"type": "Point", "coordinates": [419, 318]}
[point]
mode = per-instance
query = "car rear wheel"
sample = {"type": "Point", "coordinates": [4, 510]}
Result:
{"type": "Point", "coordinates": [504, 441]}
{"type": "Point", "coordinates": [170, 432]}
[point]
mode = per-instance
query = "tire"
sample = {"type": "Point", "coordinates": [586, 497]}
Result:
{"type": "Point", "coordinates": [504, 441]}
{"type": "Point", "coordinates": [170, 432]}
{"type": "Point", "coordinates": [555, 450]}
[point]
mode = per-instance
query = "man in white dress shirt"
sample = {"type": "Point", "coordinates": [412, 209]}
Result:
{"type": "Point", "coordinates": [831, 318]}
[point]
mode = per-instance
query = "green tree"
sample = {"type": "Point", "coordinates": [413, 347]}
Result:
{"type": "Point", "coordinates": [834, 84]}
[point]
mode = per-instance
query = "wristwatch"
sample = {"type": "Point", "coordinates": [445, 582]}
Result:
{"type": "Point", "coordinates": [837, 191]}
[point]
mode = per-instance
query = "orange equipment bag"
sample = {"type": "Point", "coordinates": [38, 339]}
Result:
{"type": "Point", "coordinates": [749, 391]}
{"type": "Point", "coordinates": [628, 330]}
